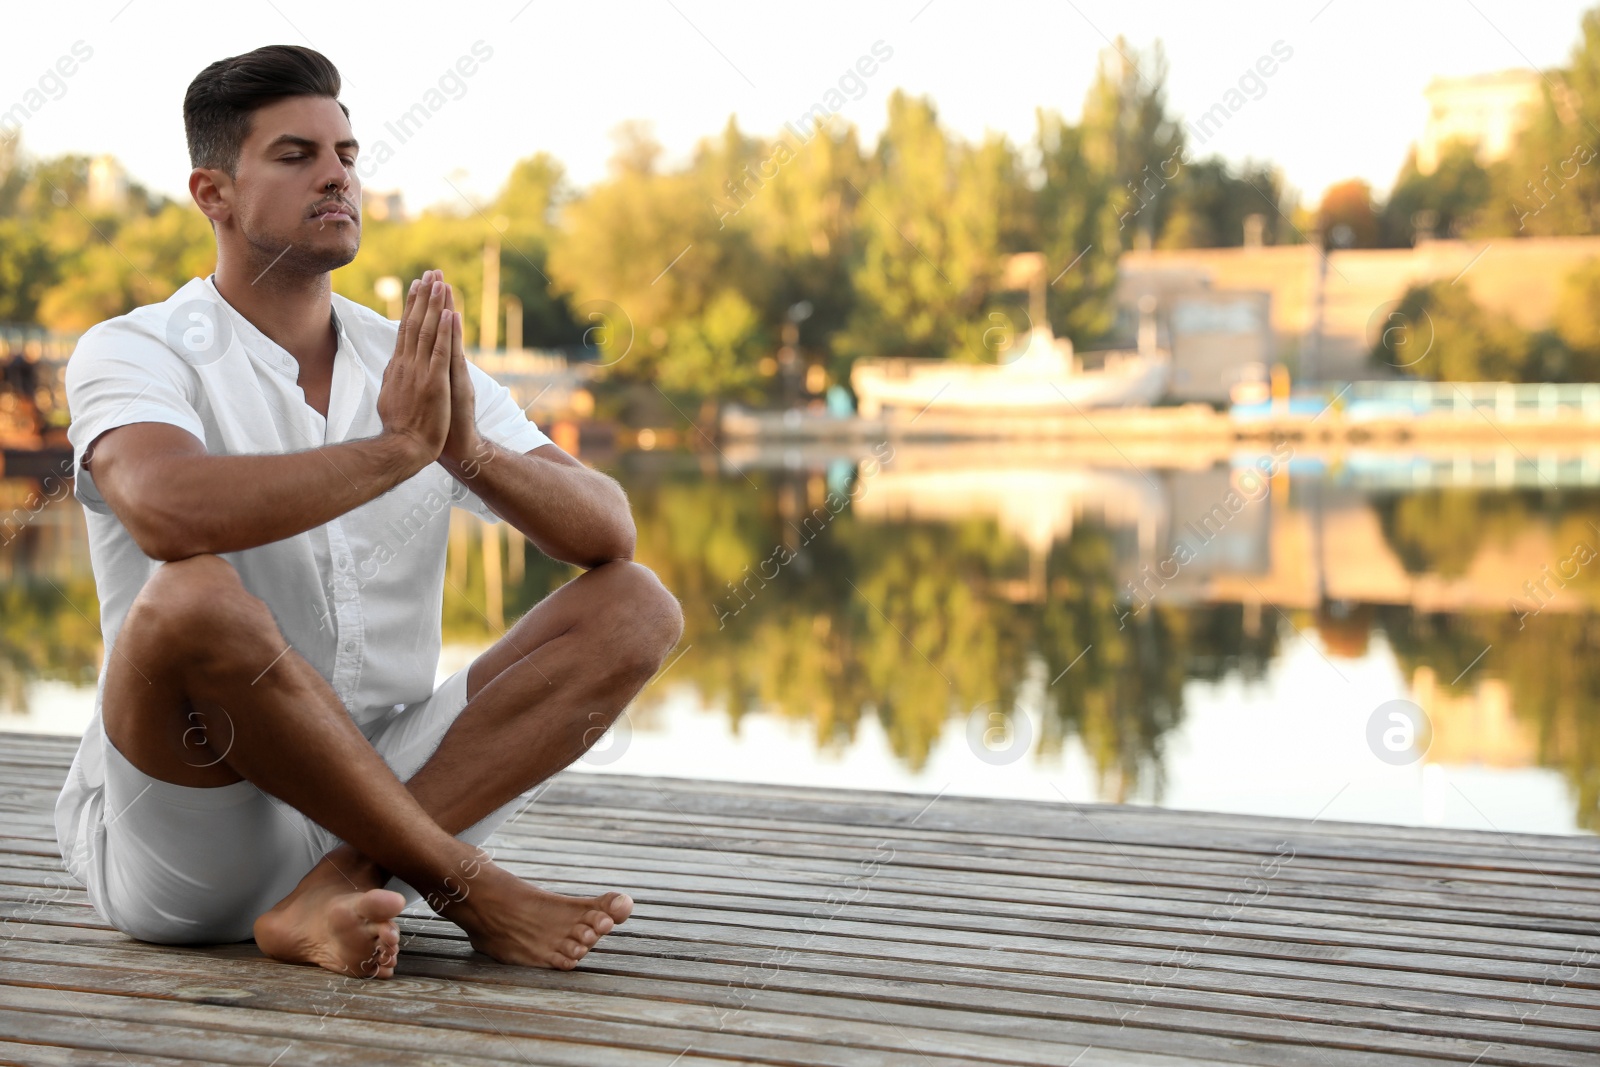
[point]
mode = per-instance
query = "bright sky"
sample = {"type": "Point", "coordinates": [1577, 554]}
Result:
{"type": "Point", "coordinates": [559, 77]}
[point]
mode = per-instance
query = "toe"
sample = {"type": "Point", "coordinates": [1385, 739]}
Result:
{"type": "Point", "coordinates": [618, 905]}
{"type": "Point", "coordinates": [599, 922]}
{"type": "Point", "coordinates": [381, 905]}
{"type": "Point", "coordinates": [585, 935]}
{"type": "Point", "coordinates": [573, 950]}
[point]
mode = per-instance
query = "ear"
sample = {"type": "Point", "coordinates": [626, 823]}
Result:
{"type": "Point", "coordinates": [212, 190]}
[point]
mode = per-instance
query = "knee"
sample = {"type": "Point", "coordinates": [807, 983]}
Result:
{"type": "Point", "coordinates": [647, 618]}
{"type": "Point", "coordinates": [200, 604]}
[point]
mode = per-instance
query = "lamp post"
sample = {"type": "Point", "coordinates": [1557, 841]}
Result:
{"type": "Point", "coordinates": [388, 290]}
{"type": "Point", "coordinates": [489, 327]}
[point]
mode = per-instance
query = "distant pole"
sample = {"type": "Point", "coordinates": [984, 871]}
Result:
{"type": "Point", "coordinates": [388, 290]}
{"type": "Point", "coordinates": [489, 327]}
{"type": "Point", "coordinates": [1309, 365]}
{"type": "Point", "coordinates": [513, 324]}
{"type": "Point", "coordinates": [493, 584]}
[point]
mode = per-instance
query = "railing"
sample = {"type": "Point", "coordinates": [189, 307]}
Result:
{"type": "Point", "coordinates": [1500, 401]}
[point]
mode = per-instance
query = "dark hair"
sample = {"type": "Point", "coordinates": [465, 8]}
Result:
{"type": "Point", "coordinates": [217, 106]}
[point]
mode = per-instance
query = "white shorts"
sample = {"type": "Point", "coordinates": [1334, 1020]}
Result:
{"type": "Point", "coordinates": [191, 865]}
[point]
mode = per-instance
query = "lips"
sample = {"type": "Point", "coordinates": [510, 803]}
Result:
{"type": "Point", "coordinates": [336, 211]}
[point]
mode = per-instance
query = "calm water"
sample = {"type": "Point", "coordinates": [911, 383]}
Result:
{"type": "Point", "coordinates": [1375, 638]}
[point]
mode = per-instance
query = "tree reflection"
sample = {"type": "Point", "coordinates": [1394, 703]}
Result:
{"type": "Point", "coordinates": [919, 623]}
{"type": "Point", "coordinates": [1542, 644]}
{"type": "Point", "coordinates": [1549, 666]}
{"type": "Point", "coordinates": [48, 631]}
{"type": "Point", "coordinates": [828, 614]}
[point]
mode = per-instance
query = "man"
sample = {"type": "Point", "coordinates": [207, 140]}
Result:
{"type": "Point", "coordinates": [267, 471]}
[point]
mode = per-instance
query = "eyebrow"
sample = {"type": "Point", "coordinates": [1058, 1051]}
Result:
{"type": "Point", "coordinates": [306, 142]}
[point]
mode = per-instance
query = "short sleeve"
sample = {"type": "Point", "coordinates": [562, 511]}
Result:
{"type": "Point", "coordinates": [501, 420]}
{"type": "Point", "coordinates": [118, 375]}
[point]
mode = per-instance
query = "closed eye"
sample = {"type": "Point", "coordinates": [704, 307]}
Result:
{"type": "Point", "coordinates": [348, 161]}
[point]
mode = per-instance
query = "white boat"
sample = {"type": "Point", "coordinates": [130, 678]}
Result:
{"type": "Point", "coordinates": [1044, 377]}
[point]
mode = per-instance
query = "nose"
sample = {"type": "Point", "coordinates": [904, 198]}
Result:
{"type": "Point", "coordinates": [336, 179]}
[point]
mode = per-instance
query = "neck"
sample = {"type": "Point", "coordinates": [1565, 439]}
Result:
{"type": "Point", "coordinates": [293, 309]}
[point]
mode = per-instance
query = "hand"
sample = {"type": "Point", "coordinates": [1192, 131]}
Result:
{"type": "Point", "coordinates": [463, 447]}
{"type": "Point", "coordinates": [414, 397]}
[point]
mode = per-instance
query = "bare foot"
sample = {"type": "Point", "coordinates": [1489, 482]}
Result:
{"type": "Point", "coordinates": [326, 923]}
{"type": "Point", "coordinates": [517, 922]}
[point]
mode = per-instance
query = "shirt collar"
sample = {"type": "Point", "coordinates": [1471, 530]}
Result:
{"type": "Point", "coordinates": [263, 349]}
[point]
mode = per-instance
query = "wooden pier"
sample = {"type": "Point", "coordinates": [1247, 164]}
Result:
{"type": "Point", "coordinates": [804, 926]}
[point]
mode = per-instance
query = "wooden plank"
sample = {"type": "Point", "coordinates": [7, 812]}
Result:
{"type": "Point", "coordinates": [35, 1055]}
{"type": "Point", "coordinates": [1200, 967]}
{"type": "Point", "coordinates": [772, 927]}
{"type": "Point", "coordinates": [295, 1017]}
{"type": "Point", "coordinates": [1467, 1018]}
{"type": "Point", "coordinates": [1237, 937]}
{"type": "Point", "coordinates": [1520, 936]}
{"type": "Point", "coordinates": [312, 1039]}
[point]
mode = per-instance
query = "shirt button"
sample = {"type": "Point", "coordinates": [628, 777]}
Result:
{"type": "Point", "coordinates": [344, 562]}
{"type": "Point", "coordinates": [349, 646]}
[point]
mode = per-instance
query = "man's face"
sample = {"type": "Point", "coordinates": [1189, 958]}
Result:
{"type": "Point", "coordinates": [297, 198]}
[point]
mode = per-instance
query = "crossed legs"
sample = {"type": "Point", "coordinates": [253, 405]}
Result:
{"type": "Point", "coordinates": [200, 663]}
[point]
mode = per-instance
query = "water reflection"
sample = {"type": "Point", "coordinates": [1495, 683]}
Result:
{"type": "Point", "coordinates": [937, 594]}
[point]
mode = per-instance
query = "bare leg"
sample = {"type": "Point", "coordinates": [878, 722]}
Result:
{"type": "Point", "coordinates": [197, 648]}
{"type": "Point", "coordinates": [537, 699]}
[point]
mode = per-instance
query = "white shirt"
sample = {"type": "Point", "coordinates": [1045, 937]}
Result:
{"type": "Point", "coordinates": [360, 597]}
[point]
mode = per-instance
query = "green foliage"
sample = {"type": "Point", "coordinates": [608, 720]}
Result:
{"type": "Point", "coordinates": [1075, 225]}
{"type": "Point", "coordinates": [66, 267]}
{"type": "Point", "coordinates": [1439, 333]}
{"type": "Point", "coordinates": [690, 277]}
{"type": "Point", "coordinates": [1212, 201]}
{"type": "Point", "coordinates": [929, 223]}
{"type": "Point", "coordinates": [1448, 201]}
{"type": "Point", "coordinates": [1550, 183]}
{"type": "Point", "coordinates": [1131, 138]}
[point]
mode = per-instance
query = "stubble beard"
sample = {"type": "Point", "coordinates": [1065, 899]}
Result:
{"type": "Point", "coordinates": [294, 258]}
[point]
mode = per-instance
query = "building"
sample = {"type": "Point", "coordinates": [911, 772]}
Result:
{"type": "Point", "coordinates": [1484, 110]}
{"type": "Point", "coordinates": [1219, 336]}
{"type": "Point", "coordinates": [108, 185]}
{"type": "Point", "coordinates": [383, 207]}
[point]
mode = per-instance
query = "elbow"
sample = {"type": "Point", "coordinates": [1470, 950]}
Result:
{"type": "Point", "coordinates": [617, 547]}
{"type": "Point", "coordinates": [620, 550]}
{"type": "Point", "coordinates": [165, 545]}
{"type": "Point", "coordinates": [162, 537]}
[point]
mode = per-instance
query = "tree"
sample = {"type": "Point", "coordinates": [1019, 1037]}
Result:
{"type": "Point", "coordinates": [930, 225]}
{"type": "Point", "coordinates": [1345, 218]}
{"type": "Point", "coordinates": [1550, 182]}
{"type": "Point", "coordinates": [1129, 134]}
{"type": "Point", "coordinates": [1446, 202]}
{"type": "Point", "coordinates": [1438, 332]}
{"type": "Point", "coordinates": [1212, 201]}
{"type": "Point", "coordinates": [1076, 228]}
{"type": "Point", "coordinates": [529, 202]}
{"type": "Point", "coordinates": [642, 253]}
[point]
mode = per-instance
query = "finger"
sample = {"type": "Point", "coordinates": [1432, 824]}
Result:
{"type": "Point", "coordinates": [458, 349]}
{"type": "Point", "coordinates": [427, 336]}
{"type": "Point", "coordinates": [411, 298]}
{"type": "Point", "coordinates": [412, 326]}
{"type": "Point", "coordinates": [439, 359]}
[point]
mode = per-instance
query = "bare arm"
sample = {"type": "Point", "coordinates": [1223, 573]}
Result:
{"type": "Point", "coordinates": [571, 513]}
{"type": "Point", "coordinates": [177, 500]}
